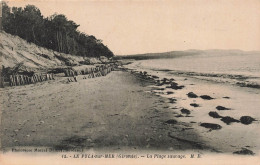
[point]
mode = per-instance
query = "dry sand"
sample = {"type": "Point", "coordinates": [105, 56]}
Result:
{"type": "Point", "coordinates": [116, 112]}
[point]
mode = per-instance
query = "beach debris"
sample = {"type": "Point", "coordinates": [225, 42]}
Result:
{"type": "Point", "coordinates": [226, 97]}
{"type": "Point", "coordinates": [228, 120]}
{"type": "Point", "coordinates": [206, 97]}
{"type": "Point", "coordinates": [171, 121]}
{"type": "Point", "coordinates": [212, 126]}
{"type": "Point", "coordinates": [194, 105]}
{"type": "Point", "coordinates": [246, 120]}
{"type": "Point", "coordinates": [244, 151]}
{"type": "Point", "coordinates": [222, 108]}
{"type": "Point", "coordinates": [214, 114]}
{"type": "Point", "coordinates": [192, 95]}
{"type": "Point", "coordinates": [185, 111]}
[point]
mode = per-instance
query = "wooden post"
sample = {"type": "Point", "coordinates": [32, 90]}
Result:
{"type": "Point", "coordinates": [1, 72]}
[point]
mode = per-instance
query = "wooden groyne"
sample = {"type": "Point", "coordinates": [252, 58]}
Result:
{"type": "Point", "coordinates": [19, 75]}
{"type": "Point", "coordinates": [17, 80]}
{"type": "Point", "coordinates": [96, 71]}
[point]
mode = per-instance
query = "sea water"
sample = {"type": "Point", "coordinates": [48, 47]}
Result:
{"type": "Point", "coordinates": [236, 68]}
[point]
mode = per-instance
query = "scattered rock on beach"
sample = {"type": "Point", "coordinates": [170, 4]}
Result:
{"type": "Point", "coordinates": [192, 95]}
{"type": "Point", "coordinates": [244, 151]}
{"type": "Point", "coordinates": [155, 76]}
{"type": "Point", "coordinates": [228, 120]}
{"type": "Point", "coordinates": [171, 121]}
{"type": "Point", "coordinates": [246, 120]}
{"type": "Point", "coordinates": [175, 86]}
{"type": "Point", "coordinates": [185, 111]}
{"type": "Point", "coordinates": [206, 97]}
{"type": "Point", "coordinates": [169, 92]}
{"type": "Point", "coordinates": [226, 97]}
{"type": "Point", "coordinates": [211, 126]}
{"type": "Point", "coordinates": [194, 105]}
{"type": "Point", "coordinates": [220, 108]}
{"type": "Point", "coordinates": [179, 115]}
{"type": "Point", "coordinates": [214, 114]}
{"type": "Point", "coordinates": [172, 100]}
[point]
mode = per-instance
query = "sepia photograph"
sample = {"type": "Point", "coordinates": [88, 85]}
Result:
{"type": "Point", "coordinates": [129, 81]}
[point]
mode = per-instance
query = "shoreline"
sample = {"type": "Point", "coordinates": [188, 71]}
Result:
{"type": "Point", "coordinates": [231, 134]}
{"type": "Point", "coordinates": [115, 112]}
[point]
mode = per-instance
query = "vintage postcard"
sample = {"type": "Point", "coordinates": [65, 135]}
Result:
{"type": "Point", "coordinates": [129, 82]}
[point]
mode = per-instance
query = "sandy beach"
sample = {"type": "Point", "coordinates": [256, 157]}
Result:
{"type": "Point", "coordinates": [115, 112]}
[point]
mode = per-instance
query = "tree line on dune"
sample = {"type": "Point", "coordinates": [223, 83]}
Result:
{"type": "Point", "coordinates": [55, 32]}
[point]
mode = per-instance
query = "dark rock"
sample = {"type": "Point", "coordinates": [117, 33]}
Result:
{"type": "Point", "coordinates": [228, 120]}
{"type": "Point", "coordinates": [161, 89]}
{"type": "Point", "coordinates": [206, 97]}
{"type": "Point", "coordinates": [185, 111]}
{"type": "Point", "coordinates": [246, 120]}
{"type": "Point", "coordinates": [172, 100]}
{"type": "Point", "coordinates": [171, 121]}
{"type": "Point", "coordinates": [175, 86]}
{"type": "Point", "coordinates": [155, 77]}
{"type": "Point", "coordinates": [244, 151]}
{"type": "Point", "coordinates": [194, 105]}
{"type": "Point", "coordinates": [226, 97]}
{"type": "Point", "coordinates": [222, 108]}
{"type": "Point", "coordinates": [212, 126]}
{"type": "Point", "coordinates": [165, 79]}
{"type": "Point", "coordinates": [192, 95]}
{"type": "Point", "coordinates": [169, 92]}
{"type": "Point", "coordinates": [179, 115]}
{"type": "Point", "coordinates": [214, 114]}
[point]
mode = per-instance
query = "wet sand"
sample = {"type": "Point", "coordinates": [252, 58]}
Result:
{"type": "Point", "coordinates": [115, 112]}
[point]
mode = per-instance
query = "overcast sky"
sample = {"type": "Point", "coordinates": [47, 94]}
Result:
{"type": "Point", "coordinates": [135, 26]}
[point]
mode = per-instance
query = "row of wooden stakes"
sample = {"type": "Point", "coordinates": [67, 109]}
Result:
{"type": "Point", "coordinates": [100, 73]}
{"type": "Point", "coordinates": [16, 80]}
{"type": "Point", "coordinates": [101, 68]}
